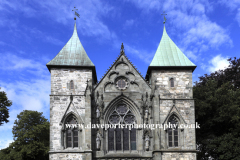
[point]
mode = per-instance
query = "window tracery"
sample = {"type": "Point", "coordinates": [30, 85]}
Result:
{"type": "Point", "coordinates": [71, 133]}
{"type": "Point", "coordinates": [122, 138]}
{"type": "Point", "coordinates": [173, 135]}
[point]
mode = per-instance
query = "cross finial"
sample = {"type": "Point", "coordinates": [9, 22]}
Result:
{"type": "Point", "coordinates": [164, 14]}
{"type": "Point", "coordinates": [75, 13]}
{"type": "Point", "coordinates": [122, 49]}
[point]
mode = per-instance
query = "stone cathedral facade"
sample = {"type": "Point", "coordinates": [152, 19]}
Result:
{"type": "Point", "coordinates": [122, 96]}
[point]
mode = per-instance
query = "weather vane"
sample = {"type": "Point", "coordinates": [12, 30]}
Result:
{"type": "Point", "coordinates": [164, 17]}
{"type": "Point", "coordinates": [76, 14]}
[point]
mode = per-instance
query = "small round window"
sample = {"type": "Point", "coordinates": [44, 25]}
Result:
{"type": "Point", "coordinates": [122, 84]}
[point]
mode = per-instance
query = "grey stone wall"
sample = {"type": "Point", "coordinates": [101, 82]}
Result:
{"type": "Point", "coordinates": [60, 107]}
{"type": "Point", "coordinates": [176, 100]}
{"type": "Point", "coordinates": [179, 156]}
{"type": "Point", "coordinates": [166, 100]}
{"type": "Point", "coordinates": [182, 83]}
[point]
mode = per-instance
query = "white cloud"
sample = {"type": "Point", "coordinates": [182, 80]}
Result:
{"type": "Point", "coordinates": [198, 32]}
{"type": "Point", "coordinates": [147, 5]}
{"type": "Point", "coordinates": [28, 95]}
{"type": "Point", "coordinates": [5, 143]}
{"type": "Point", "coordinates": [143, 55]}
{"type": "Point", "coordinates": [128, 23]}
{"type": "Point", "coordinates": [27, 92]}
{"type": "Point", "coordinates": [90, 11]}
{"type": "Point", "coordinates": [15, 63]}
{"type": "Point", "coordinates": [234, 6]}
{"type": "Point", "coordinates": [218, 62]}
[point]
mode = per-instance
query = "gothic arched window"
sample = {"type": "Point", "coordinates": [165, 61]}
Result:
{"type": "Point", "coordinates": [71, 84]}
{"type": "Point", "coordinates": [172, 82]}
{"type": "Point", "coordinates": [122, 138]}
{"type": "Point", "coordinates": [71, 132]}
{"type": "Point", "coordinates": [173, 132]}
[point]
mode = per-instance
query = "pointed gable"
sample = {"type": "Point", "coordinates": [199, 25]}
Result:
{"type": "Point", "coordinates": [72, 54]}
{"type": "Point", "coordinates": [127, 69]}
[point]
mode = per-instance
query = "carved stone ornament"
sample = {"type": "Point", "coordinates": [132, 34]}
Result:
{"type": "Point", "coordinates": [98, 113]}
{"type": "Point", "coordinates": [98, 141]}
{"type": "Point", "coordinates": [147, 142]}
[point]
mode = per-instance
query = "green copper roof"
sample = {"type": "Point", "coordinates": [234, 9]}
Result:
{"type": "Point", "coordinates": [168, 54]}
{"type": "Point", "coordinates": [72, 54]}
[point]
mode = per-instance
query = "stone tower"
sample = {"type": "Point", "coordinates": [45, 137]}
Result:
{"type": "Point", "coordinates": [123, 96]}
{"type": "Point", "coordinates": [171, 72]}
{"type": "Point", "coordinates": [71, 72]}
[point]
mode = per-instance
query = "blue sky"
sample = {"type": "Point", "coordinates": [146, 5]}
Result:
{"type": "Point", "coordinates": [32, 33]}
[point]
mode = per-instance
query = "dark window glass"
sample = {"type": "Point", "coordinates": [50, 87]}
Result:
{"type": "Point", "coordinates": [72, 134]}
{"type": "Point", "coordinates": [75, 138]}
{"type": "Point", "coordinates": [170, 137]}
{"type": "Point", "coordinates": [69, 138]}
{"type": "Point", "coordinates": [121, 83]}
{"type": "Point", "coordinates": [122, 138]}
{"type": "Point", "coordinates": [71, 84]}
{"type": "Point", "coordinates": [111, 139]}
{"type": "Point", "coordinates": [125, 139]}
{"type": "Point", "coordinates": [133, 138]}
{"type": "Point", "coordinates": [172, 82]}
{"type": "Point", "coordinates": [118, 139]}
{"type": "Point", "coordinates": [114, 118]}
{"type": "Point", "coordinates": [176, 137]}
{"type": "Point", "coordinates": [122, 109]}
{"type": "Point", "coordinates": [129, 119]}
{"type": "Point", "coordinates": [173, 133]}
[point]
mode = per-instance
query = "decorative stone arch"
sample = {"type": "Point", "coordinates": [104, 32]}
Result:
{"type": "Point", "coordinates": [133, 108]}
{"type": "Point", "coordinates": [106, 84]}
{"type": "Point", "coordinates": [121, 62]}
{"type": "Point", "coordinates": [174, 111]}
{"type": "Point", "coordinates": [111, 73]}
{"type": "Point", "coordinates": [122, 99]}
{"type": "Point", "coordinates": [79, 130]}
{"type": "Point", "coordinates": [169, 132]}
{"type": "Point", "coordinates": [71, 113]}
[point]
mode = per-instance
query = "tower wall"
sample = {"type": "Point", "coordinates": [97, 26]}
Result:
{"type": "Point", "coordinates": [59, 108]}
{"type": "Point", "coordinates": [182, 97]}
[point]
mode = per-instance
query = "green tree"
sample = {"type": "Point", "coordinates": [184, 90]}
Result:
{"type": "Point", "coordinates": [31, 138]}
{"type": "Point", "coordinates": [4, 104]}
{"type": "Point", "coordinates": [217, 99]}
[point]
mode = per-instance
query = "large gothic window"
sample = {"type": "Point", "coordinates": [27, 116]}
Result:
{"type": "Point", "coordinates": [173, 132]}
{"type": "Point", "coordinates": [121, 138]}
{"type": "Point", "coordinates": [71, 133]}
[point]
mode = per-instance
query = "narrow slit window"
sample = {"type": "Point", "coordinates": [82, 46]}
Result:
{"type": "Point", "coordinates": [172, 82]}
{"type": "Point", "coordinates": [71, 84]}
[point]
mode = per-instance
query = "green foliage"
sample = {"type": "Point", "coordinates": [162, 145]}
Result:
{"type": "Point", "coordinates": [217, 99]}
{"type": "Point", "coordinates": [31, 138]}
{"type": "Point", "coordinates": [4, 103]}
